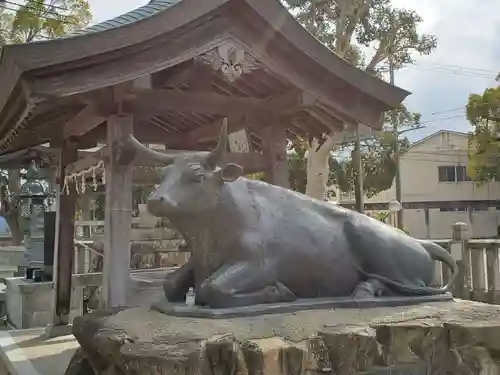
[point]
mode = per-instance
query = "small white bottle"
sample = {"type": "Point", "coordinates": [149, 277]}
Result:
{"type": "Point", "coordinates": [190, 297]}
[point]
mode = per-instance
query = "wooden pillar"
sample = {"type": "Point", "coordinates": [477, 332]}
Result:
{"type": "Point", "coordinates": [65, 230]}
{"type": "Point", "coordinates": [118, 218]}
{"type": "Point", "coordinates": [86, 215]}
{"type": "Point", "coordinates": [274, 148]}
{"type": "Point", "coordinates": [359, 191]}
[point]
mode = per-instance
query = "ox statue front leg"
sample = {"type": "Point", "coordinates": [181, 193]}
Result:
{"type": "Point", "coordinates": [178, 282]}
{"type": "Point", "coordinates": [242, 284]}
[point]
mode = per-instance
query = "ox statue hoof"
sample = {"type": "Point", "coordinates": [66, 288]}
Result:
{"type": "Point", "coordinates": [369, 289]}
{"type": "Point", "coordinates": [279, 293]}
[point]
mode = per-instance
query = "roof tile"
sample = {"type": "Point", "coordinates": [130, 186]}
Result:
{"type": "Point", "coordinates": [139, 14]}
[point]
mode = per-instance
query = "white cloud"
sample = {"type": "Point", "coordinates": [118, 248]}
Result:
{"type": "Point", "coordinates": [103, 10]}
{"type": "Point", "coordinates": [468, 33]}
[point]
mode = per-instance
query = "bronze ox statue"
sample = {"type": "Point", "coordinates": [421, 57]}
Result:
{"type": "Point", "coordinates": [253, 243]}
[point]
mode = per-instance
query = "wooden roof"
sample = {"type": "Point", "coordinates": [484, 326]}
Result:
{"type": "Point", "coordinates": [44, 85]}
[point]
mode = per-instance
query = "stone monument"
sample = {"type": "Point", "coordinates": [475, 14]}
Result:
{"type": "Point", "coordinates": [252, 243]}
{"type": "Point", "coordinates": [276, 266]}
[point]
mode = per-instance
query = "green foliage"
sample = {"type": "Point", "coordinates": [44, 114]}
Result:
{"type": "Point", "coordinates": [344, 26]}
{"type": "Point", "coordinates": [43, 19]}
{"type": "Point", "coordinates": [261, 176]}
{"type": "Point", "coordinates": [382, 216]}
{"type": "Point", "coordinates": [483, 112]}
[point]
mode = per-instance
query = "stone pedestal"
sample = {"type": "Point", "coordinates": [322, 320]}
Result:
{"type": "Point", "coordinates": [440, 338]}
{"type": "Point", "coordinates": [30, 304]}
{"type": "Point", "coordinates": [11, 258]}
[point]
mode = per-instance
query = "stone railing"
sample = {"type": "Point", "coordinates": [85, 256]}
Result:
{"type": "Point", "coordinates": [478, 263]}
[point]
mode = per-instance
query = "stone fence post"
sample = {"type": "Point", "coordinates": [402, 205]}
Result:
{"type": "Point", "coordinates": [460, 252]}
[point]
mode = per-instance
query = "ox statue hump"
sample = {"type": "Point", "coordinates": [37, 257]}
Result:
{"type": "Point", "coordinates": [253, 243]}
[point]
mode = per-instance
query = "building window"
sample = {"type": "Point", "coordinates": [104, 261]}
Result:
{"type": "Point", "coordinates": [446, 174]}
{"type": "Point", "coordinates": [452, 209]}
{"type": "Point", "coordinates": [453, 173]}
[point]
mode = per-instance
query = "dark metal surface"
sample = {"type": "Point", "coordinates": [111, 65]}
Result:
{"type": "Point", "coordinates": [254, 243]}
{"type": "Point", "coordinates": [411, 369]}
{"type": "Point", "coordinates": [179, 309]}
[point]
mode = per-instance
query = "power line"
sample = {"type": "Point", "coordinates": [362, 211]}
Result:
{"type": "Point", "coordinates": [448, 110]}
{"type": "Point", "coordinates": [450, 66]}
{"type": "Point", "coordinates": [30, 7]}
{"type": "Point", "coordinates": [442, 119]}
{"type": "Point", "coordinates": [37, 2]}
{"type": "Point", "coordinates": [456, 72]}
{"type": "Point", "coordinates": [37, 15]}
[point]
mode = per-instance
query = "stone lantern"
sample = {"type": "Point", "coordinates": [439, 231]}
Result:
{"type": "Point", "coordinates": [33, 202]}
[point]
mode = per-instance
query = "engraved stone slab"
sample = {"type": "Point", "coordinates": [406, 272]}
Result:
{"type": "Point", "coordinates": [175, 309]}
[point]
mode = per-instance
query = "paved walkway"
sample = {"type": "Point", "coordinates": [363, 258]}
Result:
{"type": "Point", "coordinates": [27, 352]}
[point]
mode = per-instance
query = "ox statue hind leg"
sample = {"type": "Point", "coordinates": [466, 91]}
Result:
{"type": "Point", "coordinates": [242, 284]}
{"type": "Point", "coordinates": [178, 282]}
{"type": "Point", "coordinates": [369, 289]}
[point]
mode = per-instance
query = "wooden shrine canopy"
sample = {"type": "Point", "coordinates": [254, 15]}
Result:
{"type": "Point", "coordinates": [179, 66]}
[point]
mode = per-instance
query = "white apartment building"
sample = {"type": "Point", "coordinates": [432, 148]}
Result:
{"type": "Point", "coordinates": [436, 191]}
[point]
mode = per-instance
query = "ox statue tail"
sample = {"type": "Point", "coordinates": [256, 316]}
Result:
{"type": "Point", "coordinates": [437, 253]}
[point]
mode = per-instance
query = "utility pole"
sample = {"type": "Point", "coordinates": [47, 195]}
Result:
{"type": "Point", "coordinates": [397, 176]}
{"type": "Point", "coordinates": [358, 167]}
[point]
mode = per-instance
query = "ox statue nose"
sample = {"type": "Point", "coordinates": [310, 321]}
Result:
{"type": "Point", "coordinates": [159, 205]}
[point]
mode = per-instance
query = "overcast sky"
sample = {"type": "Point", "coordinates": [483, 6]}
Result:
{"type": "Point", "coordinates": [466, 61]}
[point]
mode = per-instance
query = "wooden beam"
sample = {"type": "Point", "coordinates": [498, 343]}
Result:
{"type": "Point", "coordinates": [83, 122]}
{"type": "Point", "coordinates": [200, 76]}
{"type": "Point", "coordinates": [118, 219]}
{"type": "Point", "coordinates": [172, 77]}
{"type": "Point", "coordinates": [251, 162]}
{"type": "Point", "coordinates": [211, 131]}
{"type": "Point", "coordinates": [156, 101]}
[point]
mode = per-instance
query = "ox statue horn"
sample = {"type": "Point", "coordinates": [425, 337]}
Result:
{"type": "Point", "coordinates": [129, 149]}
{"type": "Point", "coordinates": [214, 157]}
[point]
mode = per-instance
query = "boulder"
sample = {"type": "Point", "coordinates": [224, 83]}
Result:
{"type": "Point", "coordinates": [458, 337]}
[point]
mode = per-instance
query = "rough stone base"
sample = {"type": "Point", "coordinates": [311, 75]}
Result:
{"type": "Point", "coordinates": [174, 309]}
{"type": "Point", "coordinates": [457, 338]}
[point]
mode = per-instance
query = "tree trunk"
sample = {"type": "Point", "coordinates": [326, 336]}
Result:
{"type": "Point", "coordinates": [317, 171]}
{"type": "Point", "coordinates": [318, 167]}
{"type": "Point", "coordinates": [15, 229]}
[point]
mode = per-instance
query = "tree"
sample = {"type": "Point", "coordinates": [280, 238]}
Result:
{"type": "Point", "coordinates": [483, 112]}
{"type": "Point", "coordinates": [32, 21]}
{"type": "Point", "coordinates": [346, 25]}
{"type": "Point", "coordinates": [40, 20]}
{"type": "Point", "coordinates": [378, 156]}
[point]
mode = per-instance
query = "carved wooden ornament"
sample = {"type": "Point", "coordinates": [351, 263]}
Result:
{"type": "Point", "coordinates": [231, 60]}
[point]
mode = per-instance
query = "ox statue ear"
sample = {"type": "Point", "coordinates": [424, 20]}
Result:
{"type": "Point", "coordinates": [230, 172]}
